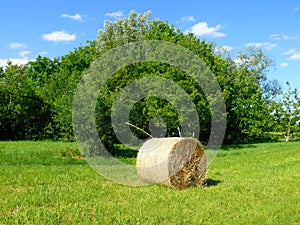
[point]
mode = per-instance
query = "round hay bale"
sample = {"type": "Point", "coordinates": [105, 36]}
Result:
{"type": "Point", "coordinates": [175, 162]}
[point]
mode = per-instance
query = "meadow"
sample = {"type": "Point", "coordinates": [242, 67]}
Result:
{"type": "Point", "coordinates": [50, 183]}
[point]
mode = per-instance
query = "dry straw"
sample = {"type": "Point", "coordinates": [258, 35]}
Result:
{"type": "Point", "coordinates": [176, 162]}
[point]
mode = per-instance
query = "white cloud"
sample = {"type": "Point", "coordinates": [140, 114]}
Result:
{"type": "Point", "coordinates": [284, 64]}
{"type": "Point", "coordinates": [18, 45]}
{"type": "Point", "coordinates": [289, 52]}
{"type": "Point", "coordinates": [188, 19]}
{"type": "Point", "coordinates": [115, 14]}
{"type": "Point", "coordinates": [15, 61]}
{"type": "Point", "coordinates": [59, 36]}
{"type": "Point", "coordinates": [76, 17]}
{"type": "Point", "coordinates": [22, 59]}
{"type": "Point", "coordinates": [43, 53]}
{"type": "Point", "coordinates": [263, 45]}
{"type": "Point", "coordinates": [295, 56]}
{"type": "Point", "coordinates": [280, 37]}
{"type": "Point", "coordinates": [292, 53]}
{"type": "Point", "coordinates": [202, 29]}
{"type": "Point", "coordinates": [24, 53]}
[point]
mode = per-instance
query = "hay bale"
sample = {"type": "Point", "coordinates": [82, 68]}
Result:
{"type": "Point", "coordinates": [175, 162]}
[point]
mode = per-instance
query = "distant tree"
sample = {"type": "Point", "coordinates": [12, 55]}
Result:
{"type": "Point", "coordinates": [63, 84]}
{"type": "Point", "coordinates": [248, 97]}
{"type": "Point", "coordinates": [37, 97]}
{"type": "Point", "coordinates": [287, 111]}
{"type": "Point", "coordinates": [23, 113]}
{"type": "Point", "coordinates": [43, 72]}
{"type": "Point", "coordinates": [123, 31]}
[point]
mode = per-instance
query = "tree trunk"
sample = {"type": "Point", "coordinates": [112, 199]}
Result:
{"type": "Point", "coordinates": [288, 132]}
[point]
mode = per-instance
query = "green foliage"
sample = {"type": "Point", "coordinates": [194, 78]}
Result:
{"type": "Point", "coordinates": [287, 112]}
{"type": "Point", "coordinates": [243, 81]}
{"type": "Point", "coordinates": [23, 112]}
{"type": "Point", "coordinates": [72, 68]}
{"type": "Point", "coordinates": [36, 99]}
{"type": "Point", "coordinates": [123, 31]}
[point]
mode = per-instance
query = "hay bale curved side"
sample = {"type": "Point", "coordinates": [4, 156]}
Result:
{"type": "Point", "coordinates": [175, 162]}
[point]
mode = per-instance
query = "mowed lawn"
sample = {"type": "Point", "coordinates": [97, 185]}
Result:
{"type": "Point", "coordinates": [49, 183]}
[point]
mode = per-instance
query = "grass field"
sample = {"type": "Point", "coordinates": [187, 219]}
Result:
{"type": "Point", "coordinates": [48, 183]}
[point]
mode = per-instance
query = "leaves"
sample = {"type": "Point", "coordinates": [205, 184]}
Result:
{"type": "Point", "coordinates": [36, 99]}
{"type": "Point", "coordinates": [287, 112]}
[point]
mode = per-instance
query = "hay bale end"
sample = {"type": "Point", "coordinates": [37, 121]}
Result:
{"type": "Point", "coordinates": [176, 162]}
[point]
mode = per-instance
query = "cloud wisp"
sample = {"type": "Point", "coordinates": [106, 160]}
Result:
{"type": "Point", "coordinates": [292, 54]}
{"type": "Point", "coordinates": [284, 64]}
{"type": "Point", "coordinates": [203, 30]}
{"type": "Point", "coordinates": [24, 53]}
{"type": "Point", "coordinates": [264, 45]}
{"type": "Point", "coordinates": [187, 19]}
{"type": "Point", "coordinates": [289, 52]}
{"type": "Point", "coordinates": [116, 14]}
{"type": "Point", "coordinates": [59, 36]}
{"type": "Point", "coordinates": [295, 56]}
{"type": "Point", "coordinates": [76, 17]}
{"type": "Point", "coordinates": [282, 37]}
{"type": "Point", "coordinates": [17, 45]}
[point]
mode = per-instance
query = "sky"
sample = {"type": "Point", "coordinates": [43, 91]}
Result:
{"type": "Point", "coordinates": [53, 28]}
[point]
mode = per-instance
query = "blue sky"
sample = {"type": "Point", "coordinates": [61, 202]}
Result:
{"type": "Point", "coordinates": [53, 28]}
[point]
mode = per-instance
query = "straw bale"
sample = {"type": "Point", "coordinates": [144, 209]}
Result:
{"type": "Point", "coordinates": [176, 162]}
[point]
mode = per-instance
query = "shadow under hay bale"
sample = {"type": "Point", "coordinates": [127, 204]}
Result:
{"type": "Point", "coordinates": [211, 183]}
{"type": "Point", "coordinates": [176, 162]}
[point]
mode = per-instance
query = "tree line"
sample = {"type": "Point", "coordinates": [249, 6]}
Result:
{"type": "Point", "coordinates": [36, 98]}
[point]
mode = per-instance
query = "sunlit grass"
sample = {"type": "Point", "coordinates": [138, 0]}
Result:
{"type": "Point", "coordinates": [49, 183]}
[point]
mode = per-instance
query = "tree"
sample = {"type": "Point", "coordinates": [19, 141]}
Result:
{"type": "Point", "coordinates": [123, 31]}
{"type": "Point", "coordinates": [243, 82]}
{"type": "Point", "coordinates": [37, 97]}
{"type": "Point", "coordinates": [248, 97]}
{"type": "Point", "coordinates": [62, 85]}
{"type": "Point", "coordinates": [23, 113]}
{"type": "Point", "coordinates": [287, 112]}
{"type": "Point", "coordinates": [44, 90]}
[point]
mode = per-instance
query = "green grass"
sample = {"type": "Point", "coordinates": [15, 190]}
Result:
{"type": "Point", "coordinates": [48, 183]}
